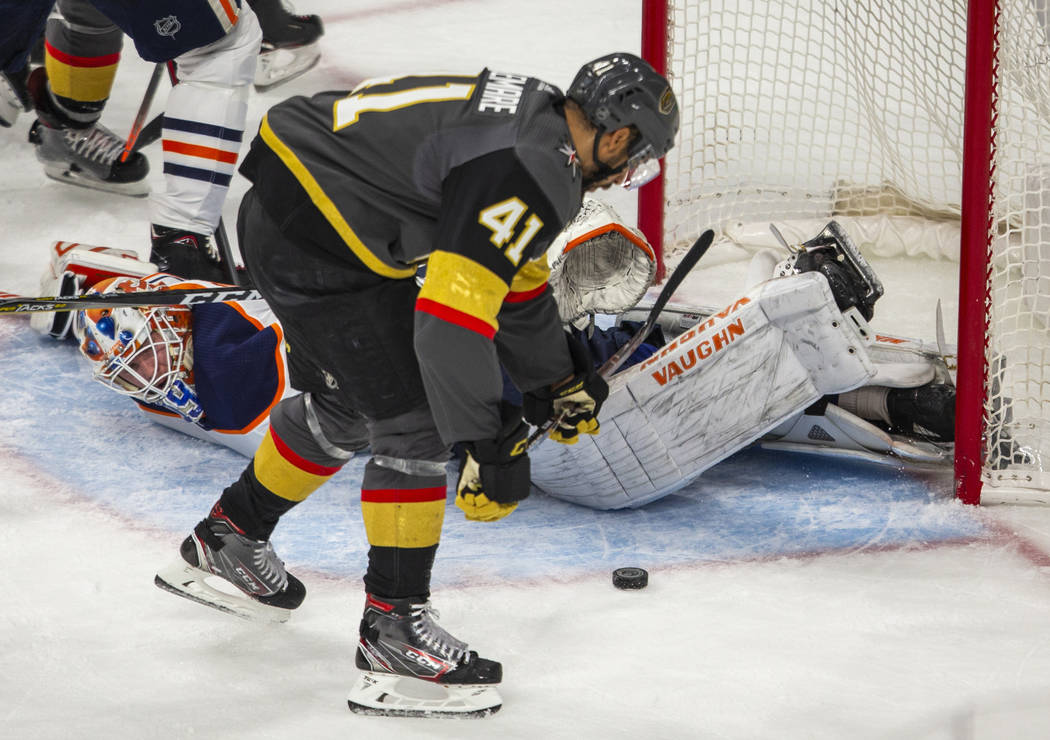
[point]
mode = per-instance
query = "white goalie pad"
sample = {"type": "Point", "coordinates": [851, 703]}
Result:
{"type": "Point", "coordinates": [901, 362]}
{"type": "Point", "coordinates": [716, 388]}
{"type": "Point", "coordinates": [599, 264]}
{"type": "Point", "coordinates": [73, 268]}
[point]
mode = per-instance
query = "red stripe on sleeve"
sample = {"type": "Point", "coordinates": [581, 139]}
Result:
{"type": "Point", "coordinates": [459, 318]}
{"type": "Point", "coordinates": [402, 495]}
{"type": "Point", "coordinates": [74, 61]}
{"type": "Point", "coordinates": [524, 295]}
{"type": "Point", "coordinates": [300, 462]}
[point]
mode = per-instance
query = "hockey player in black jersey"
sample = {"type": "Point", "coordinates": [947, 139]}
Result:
{"type": "Point", "coordinates": [474, 175]}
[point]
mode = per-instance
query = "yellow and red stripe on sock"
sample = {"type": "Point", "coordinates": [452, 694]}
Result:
{"type": "Point", "coordinates": [403, 517]}
{"type": "Point", "coordinates": [285, 473]}
{"type": "Point", "coordinates": [85, 79]}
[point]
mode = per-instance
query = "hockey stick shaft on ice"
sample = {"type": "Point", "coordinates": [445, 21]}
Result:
{"type": "Point", "coordinates": [176, 297]}
{"type": "Point", "coordinates": [610, 366]}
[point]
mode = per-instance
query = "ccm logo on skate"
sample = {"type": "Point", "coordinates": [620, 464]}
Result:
{"type": "Point", "coordinates": [426, 661]}
{"type": "Point", "coordinates": [703, 349]}
{"type": "Point", "coordinates": [249, 581]}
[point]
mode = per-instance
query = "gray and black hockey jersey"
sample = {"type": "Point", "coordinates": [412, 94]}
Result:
{"type": "Point", "coordinates": [475, 175]}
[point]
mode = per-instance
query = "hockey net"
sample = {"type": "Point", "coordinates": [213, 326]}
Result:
{"type": "Point", "coordinates": [798, 112]}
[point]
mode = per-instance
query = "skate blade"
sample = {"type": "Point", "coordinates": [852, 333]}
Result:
{"type": "Point", "coordinates": [387, 695]}
{"type": "Point", "coordinates": [284, 65]}
{"type": "Point", "coordinates": [71, 176]}
{"type": "Point", "coordinates": [183, 579]}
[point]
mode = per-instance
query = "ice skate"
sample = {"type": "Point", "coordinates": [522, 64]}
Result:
{"type": "Point", "coordinates": [927, 411]}
{"type": "Point", "coordinates": [833, 254]}
{"type": "Point", "coordinates": [187, 255]}
{"type": "Point", "coordinates": [222, 568]}
{"type": "Point", "coordinates": [14, 96]}
{"type": "Point", "coordinates": [289, 46]}
{"type": "Point", "coordinates": [84, 154]}
{"type": "Point", "coordinates": [89, 157]}
{"type": "Point", "coordinates": [411, 667]}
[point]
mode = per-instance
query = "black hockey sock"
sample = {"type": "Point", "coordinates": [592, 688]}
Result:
{"type": "Point", "coordinates": [398, 572]}
{"type": "Point", "coordinates": [251, 507]}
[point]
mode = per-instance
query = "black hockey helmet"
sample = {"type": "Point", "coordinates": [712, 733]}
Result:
{"type": "Point", "coordinates": [621, 89]}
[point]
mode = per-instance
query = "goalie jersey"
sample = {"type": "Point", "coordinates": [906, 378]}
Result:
{"type": "Point", "coordinates": [474, 175]}
{"type": "Point", "coordinates": [238, 374]}
{"type": "Point", "coordinates": [237, 369]}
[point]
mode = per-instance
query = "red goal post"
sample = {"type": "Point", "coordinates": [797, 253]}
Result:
{"type": "Point", "coordinates": [925, 129]}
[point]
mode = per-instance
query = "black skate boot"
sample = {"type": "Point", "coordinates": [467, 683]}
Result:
{"type": "Point", "coordinates": [217, 548]}
{"type": "Point", "coordinates": [930, 408]}
{"type": "Point", "coordinates": [289, 46]}
{"type": "Point", "coordinates": [833, 254]}
{"type": "Point", "coordinates": [400, 640]}
{"type": "Point", "coordinates": [84, 154]}
{"type": "Point", "coordinates": [188, 255]}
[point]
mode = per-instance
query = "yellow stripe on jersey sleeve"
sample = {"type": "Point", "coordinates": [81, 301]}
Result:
{"type": "Point", "coordinates": [531, 276]}
{"type": "Point", "coordinates": [462, 284]}
{"type": "Point", "coordinates": [327, 207]}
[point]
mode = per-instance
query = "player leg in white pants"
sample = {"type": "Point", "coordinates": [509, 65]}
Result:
{"type": "Point", "coordinates": [203, 128]}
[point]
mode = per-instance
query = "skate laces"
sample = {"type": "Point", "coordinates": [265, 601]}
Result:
{"type": "Point", "coordinates": [98, 144]}
{"type": "Point", "coordinates": [431, 634]}
{"type": "Point", "coordinates": [240, 551]}
{"type": "Point", "coordinates": [269, 566]}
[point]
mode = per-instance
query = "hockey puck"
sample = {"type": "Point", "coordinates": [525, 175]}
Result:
{"type": "Point", "coordinates": [630, 578]}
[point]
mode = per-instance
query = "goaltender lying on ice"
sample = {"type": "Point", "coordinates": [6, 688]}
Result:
{"type": "Point", "coordinates": [791, 363]}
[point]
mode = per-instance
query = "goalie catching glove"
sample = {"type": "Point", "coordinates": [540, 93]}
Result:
{"type": "Point", "coordinates": [495, 475]}
{"type": "Point", "coordinates": [573, 405]}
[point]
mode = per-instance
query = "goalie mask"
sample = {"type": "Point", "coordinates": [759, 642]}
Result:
{"type": "Point", "coordinates": [139, 352]}
{"type": "Point", "coordinates": [599, 264]}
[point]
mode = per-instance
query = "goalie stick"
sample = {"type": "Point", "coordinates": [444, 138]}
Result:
{"type": "Point", "coordinates": [176, 297]}
{"type": "Point", "coordinates": [683, 268]}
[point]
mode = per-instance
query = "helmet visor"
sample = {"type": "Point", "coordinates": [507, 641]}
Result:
{"type": "Point", "coordinates": [640, 173]}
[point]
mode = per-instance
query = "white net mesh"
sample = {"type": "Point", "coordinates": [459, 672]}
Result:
{"type": "Point", "coordinates": [798, 112]}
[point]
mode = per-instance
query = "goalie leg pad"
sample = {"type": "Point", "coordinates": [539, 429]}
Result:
{"type": "Point", "coordinates": [715, 389]}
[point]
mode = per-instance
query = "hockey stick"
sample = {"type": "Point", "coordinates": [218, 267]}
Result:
{"type": "Point", "coordinates": [238, 275]}
{"type": "Point", "coordinates": [175, 297]}
{"type": "Point", "coordinates": [681, 270]}
{"type": "Point", "coordinates": [140, 117]}
{"type": "Point", "coordinates": [155, 128]}
{"type": "Point", "coordinates": [150, 132]}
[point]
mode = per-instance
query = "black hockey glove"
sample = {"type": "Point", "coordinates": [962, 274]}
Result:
{"type": "Point", "coordinates": [495, 475]}
{"type": "Point", "coordinates": [575, 403]}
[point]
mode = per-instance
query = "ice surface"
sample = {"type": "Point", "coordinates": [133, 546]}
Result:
{"type": "Point", "coordinates": [789, 597]}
